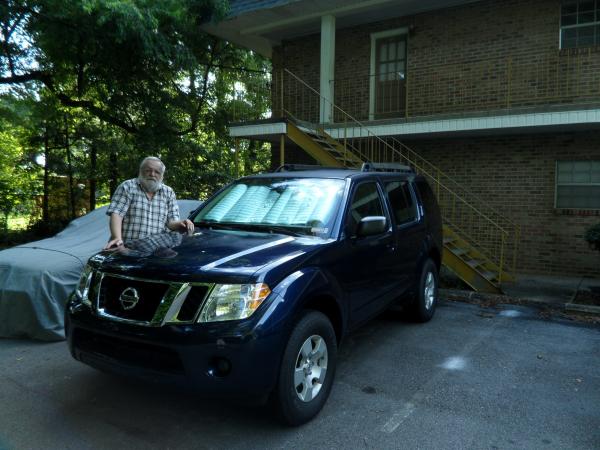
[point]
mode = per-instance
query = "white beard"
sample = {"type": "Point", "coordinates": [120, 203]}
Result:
{"type": "Point", "coordinates": [150, 185]}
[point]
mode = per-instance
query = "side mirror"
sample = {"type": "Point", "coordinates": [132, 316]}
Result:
{"type": "Point", "coordinates": [371, 225]}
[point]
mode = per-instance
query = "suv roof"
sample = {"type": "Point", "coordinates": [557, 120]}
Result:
{"type": "Point", "coordinates": [312, 171]}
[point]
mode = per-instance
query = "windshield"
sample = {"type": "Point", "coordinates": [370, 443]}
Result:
{"type": "Point", "coordinates": [299, 206]}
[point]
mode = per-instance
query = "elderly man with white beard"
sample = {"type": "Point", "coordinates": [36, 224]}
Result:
{"type": "Point", "coordinates": [144, 206]}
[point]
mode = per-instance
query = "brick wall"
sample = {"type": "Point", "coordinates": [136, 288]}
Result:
{"type": "Point", "coordinates": [482, 56]}
{"type": "Point", "coordinates": [516, 175]}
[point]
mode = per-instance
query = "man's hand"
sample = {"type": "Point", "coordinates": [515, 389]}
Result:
{"type": "Point", "coordinates": [113, 244]}
{"type": "Point", "coordinates": [182, 225]}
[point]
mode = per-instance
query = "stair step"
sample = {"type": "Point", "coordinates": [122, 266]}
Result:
{"type": "Point", "coordinates": [459, 251]}
{"type": "Point", "coordinates": [475, 263]}
{"type": "Point", "coordinates": [488, 275]}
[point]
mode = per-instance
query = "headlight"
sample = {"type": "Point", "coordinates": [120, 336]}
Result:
{"type": "Point", "coordinates": [83, 287]}
{"type": "Point", "coordinates": [233, 301]}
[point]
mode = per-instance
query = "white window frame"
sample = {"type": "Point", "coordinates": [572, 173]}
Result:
{"type": "Point", "coordinates": [577, 25]}
{"type": "Point", "coordinates": [557, 184]}
{"type": "Point", "coordinates": [374, 38]}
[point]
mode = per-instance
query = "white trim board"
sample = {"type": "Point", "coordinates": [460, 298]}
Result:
{"type": "Point", "coordinates": [258, 129]}
{"type": "Point", "coordinates": [517, 121]}
{"type": "Point", "coordinates": [523, 122]}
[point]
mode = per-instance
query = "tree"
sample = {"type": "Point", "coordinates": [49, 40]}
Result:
{"type": "Point", "coordinates": [141, 65]}
{"type": "Point", "coordinates": [17, 174]}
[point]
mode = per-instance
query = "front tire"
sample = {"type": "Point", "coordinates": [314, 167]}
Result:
{"type": "Point", "coordinates": [426, 299]}
{"type": "Point", "coordinates": [307, 369]}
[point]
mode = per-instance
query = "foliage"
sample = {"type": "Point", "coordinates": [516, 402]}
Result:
{"type": "Point", "coordinates": [17, 175]}
{"type": "Point", "coordinates": [592, 236]}
{"type": "Point", "coordinates": [141, 65]}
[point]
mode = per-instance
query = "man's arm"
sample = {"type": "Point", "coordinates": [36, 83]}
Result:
{"type": "Point", "coordinates": [181, 225]}
{"type": "Point", "coordinates": [173, 221]}
{"type": "Point", "coordinates": [116, 238]}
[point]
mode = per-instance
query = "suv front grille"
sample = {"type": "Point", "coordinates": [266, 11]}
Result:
{"type": "Point", "coordinates": [117, 297]}
{"type": "Point", "coordinates": [147, 302]}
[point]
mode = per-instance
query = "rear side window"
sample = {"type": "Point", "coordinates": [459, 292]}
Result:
{"type": "Point", "coordinates": [403, 206]}
{"type": "Point", "coordinates": [365, 202]}
{"type": "Point", "coordinates": [427, 196]}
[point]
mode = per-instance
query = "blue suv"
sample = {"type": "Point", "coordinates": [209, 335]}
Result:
{"type": "Point", "coordinates": [256, 301]}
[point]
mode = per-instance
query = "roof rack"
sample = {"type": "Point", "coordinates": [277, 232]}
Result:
{"type": "Point", "coordinates": [300, 167]}
{"type": "Point", "coordinates": [386, 167]}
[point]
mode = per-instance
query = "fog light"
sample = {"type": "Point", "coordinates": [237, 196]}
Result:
{"type": "Point", "coordinates": [219, 367]}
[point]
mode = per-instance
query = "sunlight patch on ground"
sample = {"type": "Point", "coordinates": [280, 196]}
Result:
{"type": "Point", "coordinates": [454, 363]}
{"type": "Point", "coordinates": [510, 313]}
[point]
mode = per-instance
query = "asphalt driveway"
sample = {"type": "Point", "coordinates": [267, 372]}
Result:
{"type": "Point", "coordinates": [472, 378]}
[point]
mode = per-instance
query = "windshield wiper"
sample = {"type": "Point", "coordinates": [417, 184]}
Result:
{"type": "Point", "coordinates": [280, 229]}
{"type": "Point", "coordinates": [260, 227]}
{"type": "Point", "coordinates": [216, 225]}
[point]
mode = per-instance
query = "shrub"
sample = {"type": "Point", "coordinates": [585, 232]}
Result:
{"type": "Point", "coordinates": [592, 236]}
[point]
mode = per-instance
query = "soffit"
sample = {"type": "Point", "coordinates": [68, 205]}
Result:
{"type": "Point", "coordinates": [259, 28]}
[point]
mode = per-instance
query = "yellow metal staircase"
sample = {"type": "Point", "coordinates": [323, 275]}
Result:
{"type": "Point", "coordinates": [480, 244]}
{"type": "Point", "coordinates": [470, 265]}
{"type": "Point", "coordinates": [322, 147]}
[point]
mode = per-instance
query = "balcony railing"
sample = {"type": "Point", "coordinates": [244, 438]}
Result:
{"type": "Point", "coordinates": [499, 83]}
{"type": "Point", "coordinates": [559, 78]}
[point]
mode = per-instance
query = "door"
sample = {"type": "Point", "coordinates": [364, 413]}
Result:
{"type": "Point", "coordinates": [366, 269]}
{"type": "Point", "coordinates": [409, 232]}
{"type": "Point", "coordinates": [390, 76]}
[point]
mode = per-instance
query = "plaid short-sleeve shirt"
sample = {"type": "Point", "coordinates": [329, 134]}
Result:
{"type": "Point", "coordinates": [141, 216]}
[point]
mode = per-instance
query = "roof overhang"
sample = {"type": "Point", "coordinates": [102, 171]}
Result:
{"type": "Point", "coordinates": [265, 25]}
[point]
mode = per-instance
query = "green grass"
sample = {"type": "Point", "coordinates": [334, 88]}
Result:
{"type": "Point", "coordinates": [18, 223]}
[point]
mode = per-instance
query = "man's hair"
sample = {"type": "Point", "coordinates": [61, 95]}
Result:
{"type": "Point", "coordinates": [152, 158]}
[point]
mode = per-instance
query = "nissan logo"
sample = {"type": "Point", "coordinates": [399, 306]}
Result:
{"type": "Point", "coordinates": [129, 298]}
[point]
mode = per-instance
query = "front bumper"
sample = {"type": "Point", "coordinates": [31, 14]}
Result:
{"type": "Point", "coordinates": [224, 359]}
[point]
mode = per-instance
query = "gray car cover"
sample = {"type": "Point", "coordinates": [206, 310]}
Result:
{"type": "Point", "coordinates": [37, 278]}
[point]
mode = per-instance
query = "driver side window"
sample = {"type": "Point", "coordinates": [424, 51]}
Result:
{"type": "Point", "coordinates": [366, 201]}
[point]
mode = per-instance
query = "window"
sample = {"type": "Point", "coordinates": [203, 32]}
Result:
{"type": "Point", "coordinates": [578, 184]}
{"type": "Point", "coordinates": [403, 207]}
{"type": "Point", "coordinates": [391, 58]}
{"type": "Point", "coordinates": [579, 23]}
{"type": "Point", "coordinates": [366, 202]}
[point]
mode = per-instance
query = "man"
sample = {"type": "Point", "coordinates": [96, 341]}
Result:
{"type": "Point", "coordinates": [143, 206]}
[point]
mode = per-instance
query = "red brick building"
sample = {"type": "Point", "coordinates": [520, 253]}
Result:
{"type": "Point", "coordinates": [501, 96]}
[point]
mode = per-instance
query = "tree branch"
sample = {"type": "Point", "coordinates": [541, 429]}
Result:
{"type": "Point", "coordinates": [36, 75]}
{"type": "Point", "coordinates": [98, 112]}
{"type": "Point", "coordinates": [195, 116]}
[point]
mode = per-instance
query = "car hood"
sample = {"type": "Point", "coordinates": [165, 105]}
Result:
{"type": "Point", "coordinates": [205, 254]}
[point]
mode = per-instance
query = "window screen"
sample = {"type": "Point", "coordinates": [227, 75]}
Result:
{"type": "Point", "coordinates": [578, 184]}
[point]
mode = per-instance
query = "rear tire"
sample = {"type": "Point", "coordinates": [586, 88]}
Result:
{"type": "Point", "coordinates": [307, 369]}
{"type": "Point", "coordinates": [426, 300]}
